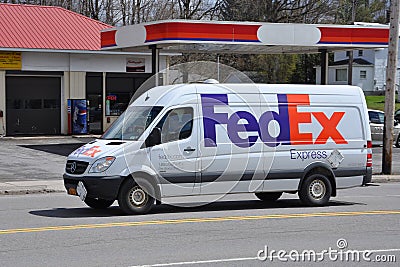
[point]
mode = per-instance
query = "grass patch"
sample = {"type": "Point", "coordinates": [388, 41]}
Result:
{"type": "Point", "coordinates": [378, 102]}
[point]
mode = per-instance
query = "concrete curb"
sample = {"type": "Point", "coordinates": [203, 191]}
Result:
{"type": "Point", "coordinates": [56, 186]}
{"type": "Point", "coordinates": [385, 178]}
{"type": "Point", "coordinates": [49, 137]}
{"type": "Point", "coordinates": [31, 187]}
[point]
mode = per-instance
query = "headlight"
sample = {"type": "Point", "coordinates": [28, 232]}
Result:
{"type": "Point", "coordinates": [102, 164]}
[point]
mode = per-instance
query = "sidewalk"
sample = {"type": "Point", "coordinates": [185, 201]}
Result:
{"type": "Point", "coordinates": [31, 187]}
{"type": "Point", "coordinates": [54, 186]}
{"type": "Point", "coordinates": [36, 158]}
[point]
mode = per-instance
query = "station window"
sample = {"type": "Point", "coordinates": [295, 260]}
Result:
{"type": "Point", "coordinates": [116, 103]}
{"type": "Point", "coordinates": [360, 53]}
{"type": "Point", "coordinates": [120, 87]}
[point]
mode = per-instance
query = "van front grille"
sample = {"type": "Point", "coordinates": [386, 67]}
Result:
{"type": "Point", "coordinates": [76, 167]}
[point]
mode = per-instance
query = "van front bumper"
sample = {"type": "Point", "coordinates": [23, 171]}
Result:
{"type": "Point", "coordinates": [104, 187]}
{"type": "Point", "coordinates": [368, 176]}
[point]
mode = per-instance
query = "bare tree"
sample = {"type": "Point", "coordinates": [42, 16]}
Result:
{"type": "Point", "coordinates": [306, 11]}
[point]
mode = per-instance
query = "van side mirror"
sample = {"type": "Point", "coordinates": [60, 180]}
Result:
{"type": "Point", "coordinates": [154, 137]}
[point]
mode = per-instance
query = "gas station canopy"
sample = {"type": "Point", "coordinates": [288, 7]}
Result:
{"type": "Point", "coordinates": [218, 37]}
{"type": "Point", "coordinates": [187, 36]}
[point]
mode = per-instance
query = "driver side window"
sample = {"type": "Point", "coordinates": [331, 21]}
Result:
{"type": "Point", "coordinates": [176, 125]}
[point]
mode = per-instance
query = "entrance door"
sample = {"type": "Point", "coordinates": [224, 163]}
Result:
{"type": "Point", "coordinates": [94, 96]}
{"type": "Point", "coordinates": [95, 103]}
{"type": "Point", "coordinates": [33, 105]}
{"type": "Point", "coordinates": [176, 158]}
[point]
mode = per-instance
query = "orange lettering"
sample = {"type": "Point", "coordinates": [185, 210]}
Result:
{"type": "Point", "coordinates": [295, 118]}
{"type": "Point", "coordinates": [329, 128]}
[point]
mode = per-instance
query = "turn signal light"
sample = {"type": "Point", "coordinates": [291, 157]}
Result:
{"type": "Point", "coordinates": [369, 154]}
{"type": "Point", "coordinates": [369, 144]}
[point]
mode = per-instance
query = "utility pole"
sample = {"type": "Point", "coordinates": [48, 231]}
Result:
{"type": "Point", "coordinates": [350, 69]}
{"type": "Point", "coordinates": [351, 56]}
{"type": "Point", "coordinates": [390, 87]}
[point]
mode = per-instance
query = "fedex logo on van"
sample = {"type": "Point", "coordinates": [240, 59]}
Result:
{"type": "Point", "coordinates": [288, 117]}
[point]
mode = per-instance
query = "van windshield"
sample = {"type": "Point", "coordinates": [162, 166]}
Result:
{"type": "Point", "coordinates": [132, 123]}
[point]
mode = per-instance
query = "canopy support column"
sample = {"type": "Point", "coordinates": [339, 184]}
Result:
{"type": "Point", "coordinates": [324, 66]}
{"type": "Point", "coordinates": [155, 59]}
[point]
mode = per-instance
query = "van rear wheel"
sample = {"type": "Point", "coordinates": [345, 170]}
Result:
{"type": "Point", "coordinates": [316, 190]}
{"type": "Point", "coordinates": [136, 196]}
{"type": "Point", "coordinates": [98, 203]}
{"type": "Point", "coordinates": [268, 196]}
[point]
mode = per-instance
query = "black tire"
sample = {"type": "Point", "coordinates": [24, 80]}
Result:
{"type": "Point", "coordinates": [315, 190]}
{"type": "Point", "coordinates": [397, 144]}
{"type": "Point", "coordinates": [268, 196]}
{"type": "Point", "coordinates": [136, 197]}
{"type": "Point", "coordinates": [98, 203]}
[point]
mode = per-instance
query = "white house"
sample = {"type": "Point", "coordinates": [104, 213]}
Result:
{"type": "Point", "coordinates": [369, 69]}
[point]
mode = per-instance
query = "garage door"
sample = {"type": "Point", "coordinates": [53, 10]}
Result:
{"type": "Point", "coordinates": [33, 105]}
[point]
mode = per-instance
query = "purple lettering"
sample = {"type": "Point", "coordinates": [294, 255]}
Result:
{"type": "Point", "coordinates": [210, 118]}
{"type": "Point", "coordinates": [283, 120]}
{"type": "Point", "coordinates": [234, 128]}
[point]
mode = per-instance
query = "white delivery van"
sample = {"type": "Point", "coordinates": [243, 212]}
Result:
{"type": "Point", "coordinates": [215, 139]}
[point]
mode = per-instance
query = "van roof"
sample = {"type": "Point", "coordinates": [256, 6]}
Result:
{"type": "Point", "coordinates": [161, 95]}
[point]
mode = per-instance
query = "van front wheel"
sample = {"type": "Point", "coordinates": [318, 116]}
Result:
{"type": "Point", "coordinates": [268, 196]}
{"type": "Point", "coordinates": [136, 197]}
{"type": "Point", "coordinates": [315, 190]}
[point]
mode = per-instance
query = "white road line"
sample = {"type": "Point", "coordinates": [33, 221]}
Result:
{"type": "Point", "coordinates": [196, 262]}
{"type": "Point", "coordinates": [369, 196]}
{"type": "Point", "coordinates": [246, 259]}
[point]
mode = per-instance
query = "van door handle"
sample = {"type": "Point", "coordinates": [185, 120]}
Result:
{"type": "Point", "coordinates": [189, 149]}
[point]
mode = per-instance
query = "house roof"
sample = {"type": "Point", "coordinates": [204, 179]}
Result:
{"type": "Point", "coordinates": [47, 27]}
{"type": "Point", "coordinates": [357, 61]}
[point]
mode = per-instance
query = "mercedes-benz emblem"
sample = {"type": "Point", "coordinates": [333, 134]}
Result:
{"type": "Point", "coordinates": [73, 167]}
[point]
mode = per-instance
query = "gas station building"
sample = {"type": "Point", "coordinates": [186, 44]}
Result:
{"type": "Point", "coordinates": [48, 56]}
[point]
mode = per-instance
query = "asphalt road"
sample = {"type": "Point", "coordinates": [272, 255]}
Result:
{"type": "Point", "coordinates": [59, 230]}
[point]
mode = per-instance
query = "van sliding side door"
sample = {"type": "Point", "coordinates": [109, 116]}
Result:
{"type": "Point", "coordinates": [231, 150]}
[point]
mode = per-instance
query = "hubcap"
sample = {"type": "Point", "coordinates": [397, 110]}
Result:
{"type": "Point", "coordinates": [137, 196]}
{"type": "Point", "coordinates": [317, 189]}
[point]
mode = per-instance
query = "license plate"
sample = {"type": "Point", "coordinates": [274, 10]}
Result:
{"type": "Point", "coordinates": [81, 191]}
